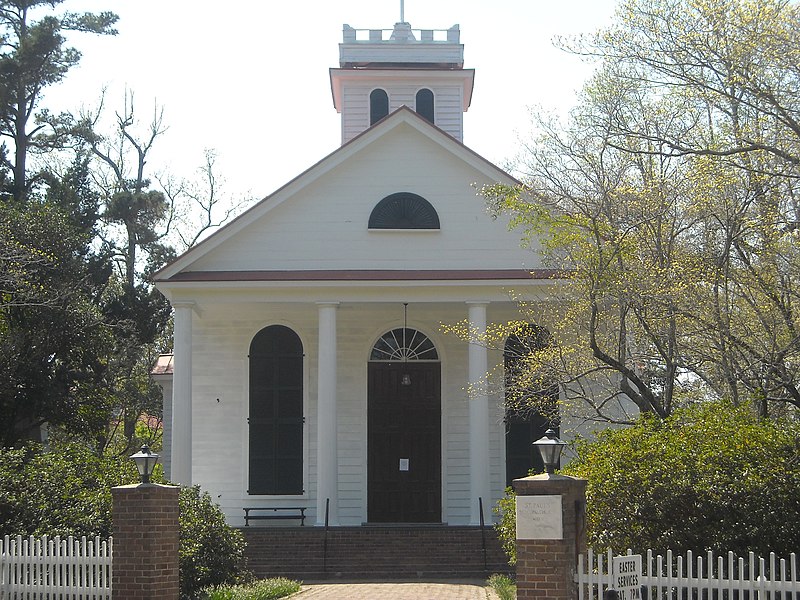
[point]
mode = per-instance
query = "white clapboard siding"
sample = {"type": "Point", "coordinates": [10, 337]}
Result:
{"type": "Point", "coordinates": [78, 569]}
{"type": "Point", "coordinates": [714, 578]}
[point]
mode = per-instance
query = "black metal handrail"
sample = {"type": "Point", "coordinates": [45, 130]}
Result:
{"type": "Point", "coordinates": [325, 541]}
{"type": "Point", "coordinates": [483, 535]}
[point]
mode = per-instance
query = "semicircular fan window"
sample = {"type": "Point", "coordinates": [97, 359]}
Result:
{"type": "Point", "coordinates": [404, 210]}
{"type": "Point", "coordinates": [403, 344]}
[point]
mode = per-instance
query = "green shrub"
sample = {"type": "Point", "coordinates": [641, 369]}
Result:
{"type": "Point", "coordinates": [506, 527]}
{"type": "Point", "coordinates": [211, 551]}
{"type": "Point", "coordinates": [67, 491]}
{"type": "Point", "coordinates": [503, 586]}
{"type": "Point", "coordinates": [264, 589]}
{"type": "Point", "coordinates": [711, 477]}
{"type": "Point", "coordinates": [64, 491]}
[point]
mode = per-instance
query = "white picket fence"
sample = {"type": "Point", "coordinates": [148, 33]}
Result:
{"type": "Point", "coordinates": [48, 568]}
{"type": "Point", "coordinates": [697, 577]}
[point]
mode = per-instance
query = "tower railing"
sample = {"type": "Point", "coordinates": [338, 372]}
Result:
{"type": "Point", "coordinates": [419, 36]}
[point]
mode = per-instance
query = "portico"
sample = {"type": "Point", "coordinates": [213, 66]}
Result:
{"type": "Point", "coordinates": [338, 338]}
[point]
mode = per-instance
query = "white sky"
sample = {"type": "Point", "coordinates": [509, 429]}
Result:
{"type": "Point", "coordinates": [250, 79]}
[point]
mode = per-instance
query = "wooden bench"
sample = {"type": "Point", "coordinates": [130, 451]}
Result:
{"type": "Point", "coordinates": [286, 512]}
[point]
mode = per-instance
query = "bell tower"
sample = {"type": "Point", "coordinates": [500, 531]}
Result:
{"type": "Point", "coordinates": [381, 70]}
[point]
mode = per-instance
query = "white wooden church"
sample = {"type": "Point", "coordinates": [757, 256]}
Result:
{"type": "Point", "coordinates": [310, 365]}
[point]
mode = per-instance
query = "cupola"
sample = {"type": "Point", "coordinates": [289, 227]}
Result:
{"type": "Point", "coordinates": [381, 70]}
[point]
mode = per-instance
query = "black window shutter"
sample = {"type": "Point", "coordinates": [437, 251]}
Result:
{"type": "Point", "coordinates": [276, 412]}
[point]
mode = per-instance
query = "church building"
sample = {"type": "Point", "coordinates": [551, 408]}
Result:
{"type": "Point", "coordinates": [311, 365]}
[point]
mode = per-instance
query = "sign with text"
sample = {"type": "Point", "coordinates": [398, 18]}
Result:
{"type": "Point", "coordinates": [626, 572]}
{"type": "Point", "coordinates": [539, 518]}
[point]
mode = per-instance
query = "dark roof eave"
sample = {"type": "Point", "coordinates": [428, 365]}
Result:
{"type": "Point", "coordinates": [365, 275]}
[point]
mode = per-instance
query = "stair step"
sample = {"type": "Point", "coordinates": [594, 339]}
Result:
{"type": "Point", "coordinates": [373, 552]}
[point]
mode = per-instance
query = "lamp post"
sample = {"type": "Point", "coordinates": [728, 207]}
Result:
{"type": "Point", "coordinates": [145, 561]}
{"type": "Point", "coordinates": [145, 461]}
{"type": "Point", "coordinates": [551, 527]}
{"type": "Point", "coordinates": [550, 448]}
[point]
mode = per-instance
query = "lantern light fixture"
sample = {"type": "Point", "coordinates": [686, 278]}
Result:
{"type": "Point", "coordinates": [405, 380]}
{"type": "Point", "coordinates": [550, 448]}
{"type": "Point", "coordinates": [145, 461]}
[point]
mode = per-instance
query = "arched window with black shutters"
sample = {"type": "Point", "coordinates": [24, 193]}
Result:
{"type": "Point", "coordinates": [425, 106]}
{"type": "Point", "coordinates": [378, 105]}
{"type": "Point", "coordinates": [276, 412]}
{"type": "Point", "coordinates": [531, 400]}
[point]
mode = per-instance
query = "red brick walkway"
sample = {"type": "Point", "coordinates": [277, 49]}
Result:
{"type": "Point", "coordinates": [472, 590]}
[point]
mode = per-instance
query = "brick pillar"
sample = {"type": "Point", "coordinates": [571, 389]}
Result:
{"type": "Point", "coordinates": [145, 554]}
{"type": "Point", "coordinates": [551, 532]}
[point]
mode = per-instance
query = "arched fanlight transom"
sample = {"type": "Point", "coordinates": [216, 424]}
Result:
{"type": "Point", "coordinates": [404, 344]}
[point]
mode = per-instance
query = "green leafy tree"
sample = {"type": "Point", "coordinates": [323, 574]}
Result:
{"type": "Point", "coordinates": [668, 200]}
{"type": "Point", "coordinates": [33, 56]}
{"type": "Point", "coordinates": [131, 239]}
{"type": "Point", "coordinates": [53, 339]}
{"type": "Point", "coordinates": [724, 79]}
{"type": "Point", "coordinates": [729, 66]}
{"type": "Point", "coordinates": [80, 322]}
{"type": "Point", "coordinates": [709, 477]}
{"type": "Point", "coordinates": [618, 228]}
{"type": "Point", "coordinates": [144, 216]}
{"type": "Point", "coordinates": [52, 335]}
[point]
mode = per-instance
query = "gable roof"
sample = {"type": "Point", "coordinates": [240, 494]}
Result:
{"type": "Point", "coordinates": [400, 117]}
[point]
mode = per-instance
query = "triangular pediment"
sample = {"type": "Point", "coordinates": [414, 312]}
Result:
{"type": "Point", "coordinates": [319, 221]}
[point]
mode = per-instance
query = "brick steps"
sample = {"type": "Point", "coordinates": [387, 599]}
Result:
{"type": "Point", "coordinates": [373, 552]}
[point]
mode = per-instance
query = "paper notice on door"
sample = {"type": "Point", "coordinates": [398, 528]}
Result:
{"type": "Point", "coordinates": [404, 464]}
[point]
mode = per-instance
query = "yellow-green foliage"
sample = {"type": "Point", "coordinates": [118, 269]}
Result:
{"type": "Point", "coordinates": [666, 203]}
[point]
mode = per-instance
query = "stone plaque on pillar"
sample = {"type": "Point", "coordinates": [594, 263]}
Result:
{"type": "Point", "coordinates": [539, 518]}
{"type": "Point", "coordinates": [550, 535]}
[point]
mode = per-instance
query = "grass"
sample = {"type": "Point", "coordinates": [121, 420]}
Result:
{"type": "Point", "coordinates": [503, 586]}
{"type": "Point", "coordinates": [263, 589]}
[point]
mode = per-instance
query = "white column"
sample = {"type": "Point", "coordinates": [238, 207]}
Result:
{"type": "Point", "coordinates": [181, 452]}
{"type": "Point", "coordinates": [327, 454]}
{"type": "Point", "coordinates": [479, 482]}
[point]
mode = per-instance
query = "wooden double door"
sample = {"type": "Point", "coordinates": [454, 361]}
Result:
{"type": "Point", "coordinates": [404, 449]}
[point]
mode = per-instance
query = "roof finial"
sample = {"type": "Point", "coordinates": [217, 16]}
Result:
{"type": "Point", "coordinates": [402, 11]}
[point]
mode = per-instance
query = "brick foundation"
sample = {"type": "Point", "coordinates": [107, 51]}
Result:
{"type": "Point", "coordinates": [546, 568]}
{"type": "Point", "coordinates": [145, 556]}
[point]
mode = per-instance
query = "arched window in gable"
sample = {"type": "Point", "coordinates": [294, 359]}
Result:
{"type": "Point", "coordinates": [531, 400]}
{"type": "Point", "coordinates": [276, 412]}
{"type": "Point", "coordinates": [403, 210]}
{"type": "Point", "coordinates": [378, 105]}
{"type": "Point", "coordinates": [425, 104]}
